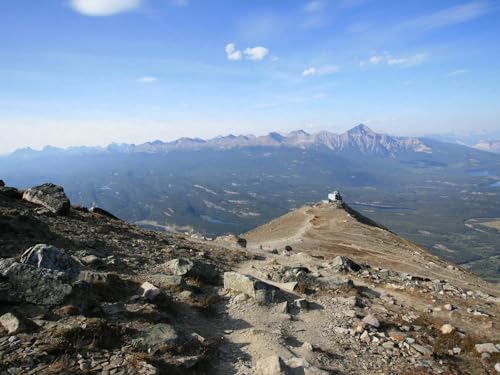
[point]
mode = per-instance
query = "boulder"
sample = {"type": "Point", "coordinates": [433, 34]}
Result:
{"type": "Point", "coordinates": [344, 264]}
{"type": "Point", "coordinates": [49, 196]}
{"type": "Point", "coordinates": [11, 323]}
{"type": "Point", "coordinates": [301, 366]}
{"type": "Point", "coordinates": [159, 334]}
{"type": "Point", "coordinates": [40, 286]}
{"type": "Point", "coordinates": [48, 256]}
{"type": "Point", "coordinates": [193, 268]}
{"type": "Point", "coordinates": [2, 184]}
{"type": "Point", "coordinates": [259, 290]}
{"type": "Point", "coordinates": [272, 365]}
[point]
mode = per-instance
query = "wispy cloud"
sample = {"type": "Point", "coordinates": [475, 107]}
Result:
{"type": "Point", "coordinates": [147, 79]}
{"type": "Point", "coordinates": [104, 7]}
{"type": "Point", "coordinates": [320, 71]}
{"type": "Point", "coordinates": [315, 6]}
{"type": "Point", "coordinates": [256, 53]}
{"type": "Point", "coordinates": [406, 61]}
{"type": "Point", "coordinates": [458, 72]}
{"type": "Point", "coordinates": [449, 16]}
{"type": "Point", "coordinates": [232, 53]}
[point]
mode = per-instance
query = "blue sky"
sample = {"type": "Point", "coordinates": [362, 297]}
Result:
{"type": "Point", "coordinates": [76, 72]}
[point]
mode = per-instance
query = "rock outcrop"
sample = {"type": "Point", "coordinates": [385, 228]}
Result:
{"type": "Point", "coordinates": [50, 196]}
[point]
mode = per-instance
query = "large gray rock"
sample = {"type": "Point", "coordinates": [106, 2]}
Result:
{"type": "Point", "coordinates": [10, 192]}
{"type": "Point", "coordinates": [159, 334]}
{"type": "Point", "coordinates": [259, 290]}
{"type": "Point", "coordinates": [40, 286]}
{"type": "Point", "coordinates": [193, 268]}
{"type": "Point", "coordinates": [49, 196]}
{"type": "Point", "coordinates": [48, 256]}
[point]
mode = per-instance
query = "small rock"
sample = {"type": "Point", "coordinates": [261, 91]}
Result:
{"type": "Point", "coordinates": [11, 323]}
{"type": "Point", "coordinates": [91, 260]}
{"type": "Point", "coordinates": [240, 298]}
{"type": "Point", "coordinates": [307, 346]}
{"type": "Point", "coordinates": [486, 348]}
{"type": "Point", "coordinates": [365, 337]}
{"type": "Point", "coordinates": [446, 329]}
{"type": "Point", "coordinates": [497, 367]}
{"type": "Point", "coordinates": [149, 291]}
{"type": "Point", "coordinates": [371, 320]}
{"type": "Point", "coordinates": [448, 307]}
{"type": "Point", "coordinates": [193, 268]}
{"type": "Point", "coordinates": [259, 290]}
{"type": "Point", "coordinates": [301, 303]}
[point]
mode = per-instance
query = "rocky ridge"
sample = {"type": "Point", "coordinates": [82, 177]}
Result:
{"type": "Point", "coordinates": [84, 292]}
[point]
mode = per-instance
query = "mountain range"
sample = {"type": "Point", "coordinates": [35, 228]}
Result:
{"type": "Point", "coordinates": [443, 196]}
{"type": "Point", "coordinates": [358, 139]}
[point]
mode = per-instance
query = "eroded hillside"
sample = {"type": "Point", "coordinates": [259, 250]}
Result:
{"type": "Point", "coordinates": [84, 292]}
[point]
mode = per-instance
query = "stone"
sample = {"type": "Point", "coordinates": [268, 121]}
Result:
{"type": "Point", "coordinates": [93, 277]}
{"type": "Point", "coordinates": [497, 367]}
{"type": "Point", "coordinates": [486, 348]}
{"type": "Point", "coordinates": [12, 323]}
{"type": "Point", "coordinates": [232, 240]}
{"type": "Point", "coordinates": [301, 303]}
{"type": "Point", "coordinates": [49, 196]}
{"type": "Point", "coordinates": [365, 337]}
{"type": "Point", "coordinates": [193, 268]}
{"type": "Point", "coordinates": [167, 281]}
{"type": "Point", "coordinates": [282, 307]}
{"type": "Point", "coordinates": [448, 307]}
{"type": "Point", "coordinates": [37, 285]}
{"type": "Point", "coordinates": [332, 282]}
{"type": "Point", "coordinates": [307, 346]}
{"type": "Point", "coordinates": [371, 320]}
{"type": "Point", "coordinates": [149, 291]}
{"type": "Point", "coordinates": [272, 365]}
{"type": "Point", "coordinates": [259, 290]}
{"type": "Point", "coordinates": [242, 297]}
{"type": "Point", "coordinates": [447, 329]}
{"type": "Point", "coordinates": [421, 349]}
{"type": "Point", "coordinates": [10, 192]}
{"type": "Point", "coordinates": [2, 184]}
{"type": "Point", "coordinates": [159, 334]}
{"type": "Point", "coordinates": [91, 260]}
{"type": "Point", "coordinates": [102, 212]}
{"type": "Point", "coordinates": [344, 264]}
{"type": "Point", "coordinates": [50, 257]}
{"type": "Point", "coordinates": [301, 366]}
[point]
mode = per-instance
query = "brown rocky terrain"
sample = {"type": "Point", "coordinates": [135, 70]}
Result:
{"type": "Point", "coordinates": [321, 290]}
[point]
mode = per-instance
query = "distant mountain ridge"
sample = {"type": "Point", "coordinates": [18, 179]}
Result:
{"type": "Point", "coordinates": [360, 139]}
{"type": "Point", "coordinates": [490, 146]}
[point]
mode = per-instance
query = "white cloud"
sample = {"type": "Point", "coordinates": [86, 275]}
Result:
{"type": "Point", "coordinates": [376, 59]}
{"type": "Point", "coordinates": [315, 6]}
{"type": "Point", "coordinates": [147, 79]}
{"type": "Point", "coordinates": [104, 7]}
{"type": "Point", "coordinates": [232, 53]}
{"type": "Point", "coordinates": [408, 61]}
{"type": "Point", "coordinates": [458, 72]}
{"type": "Point", "coordinates": [388, 59]}
{"type": "Point", "coordinates": [321, 71]}
{"type": "Point", "coordinates": [450, 16]}
{"type": "Point", "coordinates": [256, 53]}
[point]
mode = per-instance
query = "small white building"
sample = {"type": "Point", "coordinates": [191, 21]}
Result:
{"type": "Point", "coordinates": [334, 196]}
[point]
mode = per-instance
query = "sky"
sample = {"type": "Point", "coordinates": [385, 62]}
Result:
{"type": "Point", "coordinates": [92, 72]}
